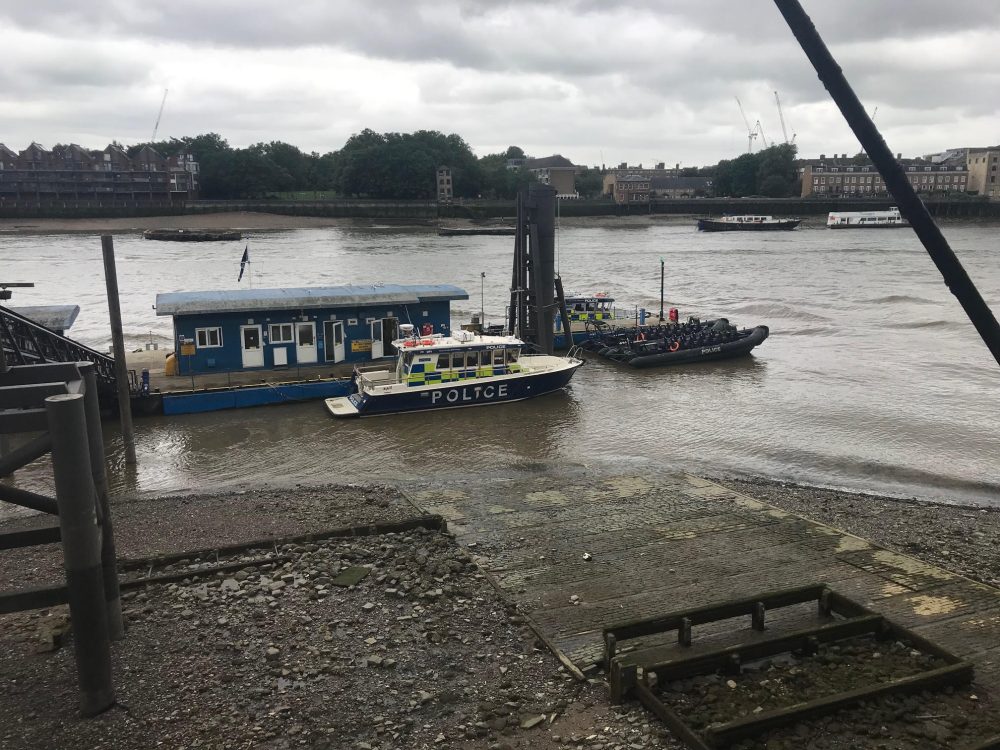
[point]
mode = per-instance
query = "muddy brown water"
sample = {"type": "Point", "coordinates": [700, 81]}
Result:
{"type": "Point", "coordinates": [873, 379]}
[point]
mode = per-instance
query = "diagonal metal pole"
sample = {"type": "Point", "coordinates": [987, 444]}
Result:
{"type": "Point", "coordinates": [909, 202]}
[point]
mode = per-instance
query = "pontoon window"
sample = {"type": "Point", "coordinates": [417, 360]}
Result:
{"type": "Point", "coordinates": [208, 338]}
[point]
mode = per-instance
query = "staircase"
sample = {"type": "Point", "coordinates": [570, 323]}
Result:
{"type": "Point", "coordinates": [25, 342]}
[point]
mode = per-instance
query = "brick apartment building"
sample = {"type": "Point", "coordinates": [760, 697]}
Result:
{"type": "Point", "coordinates": [854, 177]}
{"type": "Point", "coordinates": [75, 176]}
{"type": "Point", "coordinates": [637, 185]}
{"type": "Point", "coordinates": [557, 171]}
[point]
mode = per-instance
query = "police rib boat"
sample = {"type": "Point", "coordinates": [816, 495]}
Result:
{"type": "Point", "coordinates": [678, 343]}
{"type": "Point", "coordinates": [449, 372]}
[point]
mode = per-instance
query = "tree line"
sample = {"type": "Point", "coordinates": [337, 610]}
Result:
{"type": "Point", "coordinates": [403, 166]}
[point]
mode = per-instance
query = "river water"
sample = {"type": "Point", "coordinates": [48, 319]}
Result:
{"type": "Point", "coordinates": [872, 380]}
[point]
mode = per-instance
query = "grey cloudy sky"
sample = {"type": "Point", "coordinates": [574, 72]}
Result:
{"type": "Point", "coordinates": [595, 80]}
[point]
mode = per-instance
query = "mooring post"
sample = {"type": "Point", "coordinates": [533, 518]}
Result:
{"type": "Point", "coordinates": [542, 201]}
{"type": "Point", "coordinates": [81, 550]}
{"type": "Point", "coordinates": [98, 465]}
{"type": "Point", "coordinates": [118, 343]}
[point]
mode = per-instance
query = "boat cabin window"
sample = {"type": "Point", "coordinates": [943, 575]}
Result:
{"type": "Point", "coordinates": [498, 359]}
{"type": "Point", "coordinates": [512, 355]}
{"type": "Point", "coordinates": [444, 361]}
{"type": "Point", "coordinates": [471, 359]}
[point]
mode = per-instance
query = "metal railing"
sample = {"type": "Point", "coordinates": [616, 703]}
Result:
{"type": "Point", "coordinates": [25, 342]}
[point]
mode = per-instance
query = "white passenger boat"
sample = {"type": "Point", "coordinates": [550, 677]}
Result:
{"type": "Point", "coordinates": [448, 372]}
{"type": "Point", "coordinates": [866, 219]}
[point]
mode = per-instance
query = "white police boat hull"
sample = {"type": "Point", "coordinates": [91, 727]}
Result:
{"type": "Point", "coordinates": [420, 382]}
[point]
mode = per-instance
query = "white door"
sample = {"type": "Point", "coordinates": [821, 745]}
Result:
{"type": "Point", "coordinates": [333, 341]}
{"type": "Point", "coordinates": [253, 350]}
{"type": "Point", "coordinates": [377, 339]}
{"type": "Point", "coordinates": [305, 343]}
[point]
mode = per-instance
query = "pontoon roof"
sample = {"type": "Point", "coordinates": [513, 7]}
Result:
{"type": "Point", "coordinates": [251, 300]}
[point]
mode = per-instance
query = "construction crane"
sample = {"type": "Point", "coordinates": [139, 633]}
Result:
{"type": "Point", "coordinates": [159, 115]}
{"type": "Point", "coordinates": [751, 132]}
{"type": "Point", "coordinates": [758, 129]}
{"type": "Point", "coordinates": [781, 116]}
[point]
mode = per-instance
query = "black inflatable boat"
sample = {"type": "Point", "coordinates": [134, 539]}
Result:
{"type": "Point", "coordinates": [677, 343]}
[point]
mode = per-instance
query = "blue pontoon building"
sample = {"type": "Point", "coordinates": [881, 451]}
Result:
{"type": "Point", "coordinates": [263, 328]}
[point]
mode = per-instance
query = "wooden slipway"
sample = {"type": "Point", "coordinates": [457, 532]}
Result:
{"type": "Point", "coordinates": [660, 543]}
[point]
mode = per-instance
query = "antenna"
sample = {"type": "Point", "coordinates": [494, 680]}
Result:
{"type": "Point", "coordinates": [874, 112]}
{"type": "Point", "coordinates": [159, 115]}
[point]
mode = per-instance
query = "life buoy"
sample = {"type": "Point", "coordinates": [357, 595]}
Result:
{"type": "Point", "coordinates": [675, 345]}
{"type": "Point", "coordinates": [427, 342]}
{"type": "Point", "coordinates": [410, 343]}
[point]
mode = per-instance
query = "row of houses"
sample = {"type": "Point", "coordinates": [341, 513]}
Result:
{"type": "Point", "coordinates": [38, 177]}
{"type": "Point", "coordinates": [843, 176]}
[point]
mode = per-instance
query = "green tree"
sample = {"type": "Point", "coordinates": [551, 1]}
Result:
{"type": "Point", "coordinates": [589, 183]}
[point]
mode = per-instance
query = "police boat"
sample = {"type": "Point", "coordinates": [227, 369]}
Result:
{"type": "Point", "coordinates": [449, 372]}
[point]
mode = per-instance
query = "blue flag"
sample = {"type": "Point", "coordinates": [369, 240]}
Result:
{"type": "Point", "coordinates": [243, 263]}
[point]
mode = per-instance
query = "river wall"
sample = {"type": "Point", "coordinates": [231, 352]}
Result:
{"type": "Point", "coordinates": [480, 210]}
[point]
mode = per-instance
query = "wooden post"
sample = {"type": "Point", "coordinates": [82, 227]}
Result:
{"type": "Point", "coordinates": [118, 344]}
{"type": "Point", "coordinates": [109, 557]}
{"type": "Point", "coordinates": [81, 550]}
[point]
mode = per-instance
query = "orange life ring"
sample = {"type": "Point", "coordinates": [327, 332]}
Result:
{"type": "Point", "coordinates": [675, 345]}
{"type": "Point", "coordinates": [410, 343]}
{"type": "Point", "coordinates": [427, 342]}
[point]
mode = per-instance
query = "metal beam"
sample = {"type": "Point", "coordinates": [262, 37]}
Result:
{"type": "Point", "coordinates": [910, 205]}
{"type": "Point", "coordinates": [24, 454]}
{"type": "Point", "coordinates": [27, 499]}
{"type": "Point", "coordinates": [29, 537]}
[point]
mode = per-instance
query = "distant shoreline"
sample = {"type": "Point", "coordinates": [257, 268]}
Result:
{"type": "Point", "coordinates": [253, 221]}
{"type": "Point", "coordinates": [259, 221]}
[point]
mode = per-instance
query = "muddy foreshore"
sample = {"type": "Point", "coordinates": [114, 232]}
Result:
{"type": "Point", "coordinates": [422, 652]}
{"type": "Point", "coordinates": [256, 222]}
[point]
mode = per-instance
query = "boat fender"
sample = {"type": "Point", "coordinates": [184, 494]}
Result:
{"type": "Point", "coordinates": [675, 345]}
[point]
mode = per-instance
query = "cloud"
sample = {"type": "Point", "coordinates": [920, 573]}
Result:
{"type": "Point", "coordinates": [630, 80]}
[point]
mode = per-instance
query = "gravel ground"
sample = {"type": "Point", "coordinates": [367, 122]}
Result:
{"type": "Point", "coordinates": [421, 653]}
{"type": "Point", "coordinates": [962, 539]}
{"type": "Point", "coordinates": [144, 528]}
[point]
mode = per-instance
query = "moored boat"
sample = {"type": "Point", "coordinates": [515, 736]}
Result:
{"type": "Point", "coordinates": [866, 219]}
{"type": "Point", "coordinates": [448, 372]}
{"type": "Point", "coordinates": [678, 343]}
{"type": "Point", "coordinates": [747, 223]}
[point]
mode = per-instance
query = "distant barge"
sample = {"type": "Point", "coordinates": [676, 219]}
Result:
{"type": "Point", "coordinates": [747, 224]}
{"type": "Point", "coordinates": [191, 235]}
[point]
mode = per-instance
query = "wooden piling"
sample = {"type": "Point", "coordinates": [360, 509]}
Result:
{"type": "Point", "coordinates": [109, 557]}
{"type": "Point", "coordinates": [118, 344]}
{"type": "Point", "coordinates": [81, 550]}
